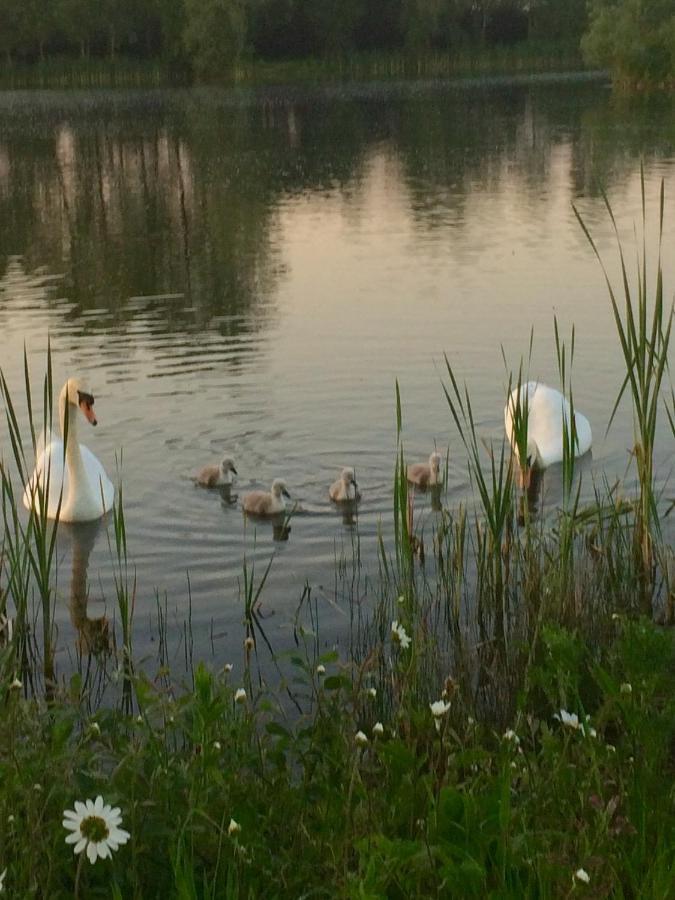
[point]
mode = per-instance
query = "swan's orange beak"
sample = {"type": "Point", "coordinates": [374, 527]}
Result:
{"type": "Point", "coordinates": [88, 410]}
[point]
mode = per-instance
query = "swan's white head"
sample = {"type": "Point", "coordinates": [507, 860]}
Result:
{"type": "Point", "coordinates": [76, 393]}
{"type": "Point", "coordinates": [279, 488]}
{"type": "Point", "coordinates": [348, 476]}
{"type": "Point", "coordinates": [227, 465]}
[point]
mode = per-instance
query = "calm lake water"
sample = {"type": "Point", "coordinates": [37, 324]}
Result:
{"type": "Point", "coordinates": [251, 271]}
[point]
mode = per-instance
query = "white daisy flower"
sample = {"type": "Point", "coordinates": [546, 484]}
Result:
{"type": "Point", "coordinates": [439, 708]}
{"type": "Point", "coordinates": [233, 827]}
{"type": "Point", "coordinates": [400, 635]}
{"type": "Point", "coordinates": [570, 720]}
{"type": "Point", "coordinates": [372, 692]}
{"type": "Point", "coordinates": [378, 728]}
{"type": "Point", "coordinates": [320, 669]}
{"type": "Point", "coordinates": [227, 668]}
{"type": "Point", "coordinates": [16, 685]}
{"type": "Point", "coordinates": [361, 738]}
{"type": "Point", "coordinates": [240, 696]}
{"type": "Point", "coordinates": [582, 875]}
{"type": "Point", "coordinates": [510, 735]}
{"type": "Point", "coordinates": [94, 827]}
{"type": "Point", "coordinates": [216, 745]}
{"type": "Point", "coordinates": [626, 688]}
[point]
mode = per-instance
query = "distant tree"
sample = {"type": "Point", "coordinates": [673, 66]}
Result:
{"type": "Point", "coordinates": [633, 38]}
{"type": "Point", "coordinates": [559, 19]}
{"type": "Point", "coordinates": [214, 34]}
{"type": "Point", "coordinates": [12, 27]}
{"type": "Point", "coordinates": [77, 19]}
{"type": "Point", "coordinates": [420, 23]}
{"type": "Point", "coordinates": [332, 24]}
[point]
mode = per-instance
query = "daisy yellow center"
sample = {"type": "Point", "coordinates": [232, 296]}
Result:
{"type": "Point", "coordinates": [94, 829]}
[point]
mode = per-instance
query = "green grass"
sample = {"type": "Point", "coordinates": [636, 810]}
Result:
{"type": "Point", "coordinates": [339, 781]}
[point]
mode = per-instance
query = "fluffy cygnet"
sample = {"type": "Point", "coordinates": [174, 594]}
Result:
{"type": "Point", "coordinates": [264, 503]}
{"type": "Point", "coordinates": [426, 474]}
{"type": "Point", "coordinates": [215, 476]}
{"type": "Point", "coordinates": [345, 488]}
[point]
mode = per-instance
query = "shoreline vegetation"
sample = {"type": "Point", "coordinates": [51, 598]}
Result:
{"type": "Point", "coordinates": [501, 725]}
{"type": "Point", "coordinates": [65, 73]}
{"type": "Point", "coordinates": [80, 44]}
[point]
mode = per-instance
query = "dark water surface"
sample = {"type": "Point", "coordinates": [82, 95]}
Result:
{"type": "Point", "coordinates": [250, 271]}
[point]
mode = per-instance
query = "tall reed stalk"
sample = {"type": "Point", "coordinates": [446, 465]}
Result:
{"type": "Point", "coordinates": [644, 331]}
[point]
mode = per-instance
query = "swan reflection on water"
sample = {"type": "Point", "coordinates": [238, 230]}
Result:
{"type": "Point", "coordinates": [280, 523]}
{"type": "Point", "coordinates": [93, 633]}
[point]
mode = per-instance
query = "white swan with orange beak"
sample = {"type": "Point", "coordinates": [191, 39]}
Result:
{"type": "Point", "coordinates": [71, 475]}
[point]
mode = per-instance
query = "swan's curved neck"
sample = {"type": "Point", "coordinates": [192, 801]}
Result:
{"type": "Point", "coordinates": [74, 459]}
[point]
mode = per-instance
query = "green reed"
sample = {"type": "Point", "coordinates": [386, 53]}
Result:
{"type": "Point", "coordinates": [644, 331]}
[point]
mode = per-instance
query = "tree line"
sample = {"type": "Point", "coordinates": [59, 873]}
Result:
{"type": "Point", "coordinates": [207, 38]}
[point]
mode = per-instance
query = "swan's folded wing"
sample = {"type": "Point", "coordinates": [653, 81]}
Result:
{"type": "Point", "coordinates": [97, 477]}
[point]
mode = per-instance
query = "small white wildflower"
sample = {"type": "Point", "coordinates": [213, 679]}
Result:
{"type": "Point", "coordinates": [233, 827]}
{"type": "Point", "coordinates": [510, 735]}
{"type": "Point", "coordinates": [216, 745]}
{"type": "Point", "coordinates": [615, 617]}
{"type": "Point", "coordinates": [470, 721]}
{"type": "Point", "coordinates": [240, 696]}
{"type": "Point", "coordinates": [139, 720]}
{"type": "Point", "coordinates": [10, 819]}
{"type": "Point", "coordinates": [592, 732]}
{"type": "Point", "coordinates": [582, 875]}
{"type": "Point", "coordinates": [570, 720]}
{"type": "Point", "coordinates": [399, 635]}
{"type": "Point", "coordinates": [439, 708]}
{"type": "Point", "coordinates": [37, 788]}
{"type": "Point", "coordinates": [227, 668]}
{"type": "Point", "coordinates": [513, 765]}
{"type": "Point", "coordinates": [16, 685]}
{"type": "Point", "coordinates": [171, 720]}
{"type": "Point", "coordinates": [378, 728]}
{"type": "Point", "coordinates": [94, 827]}
{"type": "Point", "coordinates": [361, 738]}
{"type": "Point", "coordinates": [611, 748]}
{"type": "Point", "coordinates": [372, 692]}
{"type": "Point", "coordinates": [401, 599]}
{"type": "Point", "coordinates": [626, 688]}
{"type": "Point", "coordinates": [249, 644]}
{"type": "Point", "coordinates": [320, 669]}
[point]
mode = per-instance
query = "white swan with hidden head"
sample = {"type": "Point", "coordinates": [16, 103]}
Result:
{"type": "Point", "coordinates": [548, 417]}
{"type": "Point", "coordinates": [86, 491]}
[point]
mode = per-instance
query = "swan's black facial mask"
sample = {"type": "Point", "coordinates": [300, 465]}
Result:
{"type": "Point", "coordinates": [86, 404]}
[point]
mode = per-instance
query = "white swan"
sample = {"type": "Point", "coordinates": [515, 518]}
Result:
{"type": "Point", "coordinates": [264, 503]}
{"type": "Point", "coordinates": [345, 488]}
{"type": "Point", "coordinates": [87, 492]}
{"type": "Point", "coordinates": [548, 418]}
{"type": "Point", "coordinates": [216, 476]}
{"type": "Point", "coordinates": [426, 474]}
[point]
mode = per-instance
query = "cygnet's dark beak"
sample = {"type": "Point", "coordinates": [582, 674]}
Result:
{"type": "Point", "coordinates": [355, 482]}
{"type": "Point", "coordinates": [285, 493]}
{"type": "Point", "coordinates": [232, 469]}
